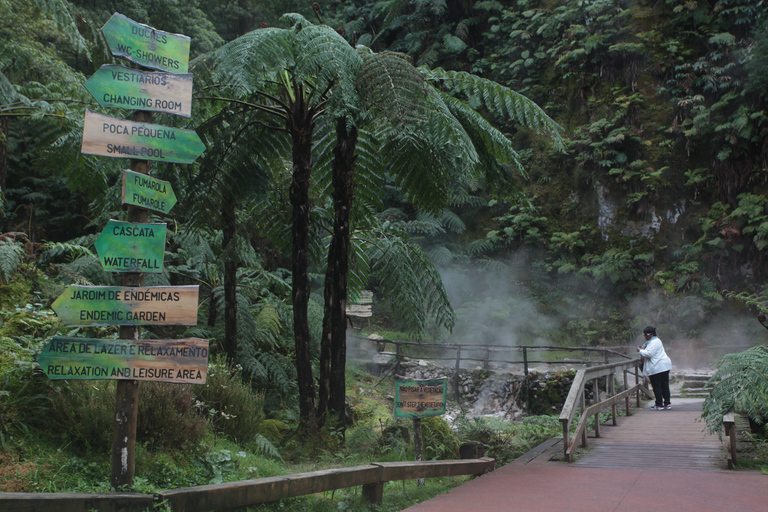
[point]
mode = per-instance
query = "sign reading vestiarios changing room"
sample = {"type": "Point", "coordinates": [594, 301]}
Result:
{"type": "Point", "coordinates": [131, 247]}
{"type": "Point", "coordinates": [118, 305]}
{"type": "Point", "coordinates": [180, 361]}
{"type": "Point", "coordinates": [118, 86]}
{"type": "Point", "coordinates": [118, 138]}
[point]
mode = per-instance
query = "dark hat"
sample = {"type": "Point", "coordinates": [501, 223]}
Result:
{"type": "Point", "coordinates": [650, 330]}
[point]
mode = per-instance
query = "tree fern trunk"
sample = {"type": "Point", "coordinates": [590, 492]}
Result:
{"type": "Point", "coordinates": [230, 282]}
{"type": "Point", "coordinates": [300, 125]}
{"type": "Point", "coordinates": [335, 313]}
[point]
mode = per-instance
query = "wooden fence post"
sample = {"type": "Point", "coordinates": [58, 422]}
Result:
{"type": "Point", "coordinates": [456, 385]}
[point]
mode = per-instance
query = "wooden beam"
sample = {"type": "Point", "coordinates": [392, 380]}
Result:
{"type": "Point", "coordinates": [75, 502]}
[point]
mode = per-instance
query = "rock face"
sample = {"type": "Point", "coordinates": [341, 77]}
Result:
{"type": "Point", "coordinates": [502, 395]}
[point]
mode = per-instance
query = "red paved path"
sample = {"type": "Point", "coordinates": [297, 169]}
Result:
{"type": "Point", "coordinates": [611, 478]}
{"type": "Point", "coordinates": [558, 487]}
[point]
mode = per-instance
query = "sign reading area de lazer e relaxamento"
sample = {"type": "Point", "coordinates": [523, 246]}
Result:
{"type": "Point", "coordinates": [131, 247]}
{"type": "Point", "coordinates": [118, 138]}
{"type": "Point", "coordinates": [180, 361]}
{"type": "Point", "coordinates": [121, 87]}
{"type": "Point", "coordinates": [420, 398]}
{"type": "Point", "coordinates": [147, 192]}
{"type": "Point", "coordinates": [146, 46]}
{"type": "Point", "coordinates": [118, 305]}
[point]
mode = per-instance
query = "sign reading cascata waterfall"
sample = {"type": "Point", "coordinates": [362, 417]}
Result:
{"type": "Point", "coordinates": [117, 305]}
{"type": "Point", "coordinates": [180, 361]}
{"type": "Point", "coordinates": [131, 247]}
{"type": "Point", "coordinates": [118, 138]}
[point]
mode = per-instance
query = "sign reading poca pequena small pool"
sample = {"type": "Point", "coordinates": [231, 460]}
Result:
{"type": "Point", "coordinates": [420, 398]}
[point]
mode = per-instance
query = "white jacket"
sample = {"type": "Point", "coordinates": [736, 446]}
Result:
{"type": "Point", "coordinates": [656, 359]}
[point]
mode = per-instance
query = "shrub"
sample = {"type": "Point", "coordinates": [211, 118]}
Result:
{"type": "Point", "coordinates": [169, 416]}
{"type": "Point", "coordinates": [82, 413]}
{"type": "Point", "coordinates": [231, 406]}
{"type": "Point", "coordinates": [439, 440]}
{"type": "Point", "coordinates": [273, 430]}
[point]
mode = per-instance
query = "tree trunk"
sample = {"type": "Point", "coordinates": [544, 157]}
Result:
{"type": "Point", "coordinates": [230, 282]}
{"type": "Point", "coordinates": [300, 126]}
{"type": "Point", "coordinates": [336, 276]}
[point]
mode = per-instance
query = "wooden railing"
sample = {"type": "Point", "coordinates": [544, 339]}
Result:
{"type": "Point", "coordinates": [576, 399]}
{"type": "Point", "coordinates": [729, 425]}
{"type": "Point", "coordinates": [249, 492]}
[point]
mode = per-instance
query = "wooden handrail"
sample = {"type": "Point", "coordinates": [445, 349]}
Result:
{"type": "Point", "coordinates": [576, 399]}
{"type": "Point", "coordinates": [250, 492]}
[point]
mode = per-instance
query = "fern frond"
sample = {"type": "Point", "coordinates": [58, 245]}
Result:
{"type": "Point", "coordinates": [11, 257]}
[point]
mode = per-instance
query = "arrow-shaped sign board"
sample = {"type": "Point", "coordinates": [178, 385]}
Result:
{"type": "Point", "coordinates": [131, 247]}
{"type": "Point", "coordinates": [147, 192]}
{"type": "Point", "coordinates": [118, 86]}
{"type": "Point", "coordinates": [180, 361]}
{"type": "Point", "coordinates": [146, 46]}
{"type": "Point", "coordinates": [117, 305]}
{"type": "Point", "coordinates": [109, 136]}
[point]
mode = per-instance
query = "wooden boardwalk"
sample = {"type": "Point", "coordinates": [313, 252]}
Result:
{"type": "Point", "coordinates": [653, 460]}
{"type": "Point", "coordinates": [670, 439]}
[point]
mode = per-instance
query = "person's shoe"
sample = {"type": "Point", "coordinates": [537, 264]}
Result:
{"type": "Point", "coordinates": [657, 407]}
{"type": "Point", "coordinates": [668, 406]}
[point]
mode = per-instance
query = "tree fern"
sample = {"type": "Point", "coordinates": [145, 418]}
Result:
{"type": "Point", "coordinates": [739, 383]}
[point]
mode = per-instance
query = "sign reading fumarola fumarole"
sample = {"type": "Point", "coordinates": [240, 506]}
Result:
{"type": "Point", "coordinates": [146, 46]}
{"type": "Point", "coordinates": [131, 247]}
{"type": "Point", "coordinates": [420, 398]}
{"type": "Point", "coordinates": [147, 192]}
{"type": "Point", "coordinates": [117, 305]}
{"type": "Point", "coordinates": [109, 136]}
{"type": "Point", "coordinates": [118, 86]}
{"type": "Point", "coordinates": [181, 361]}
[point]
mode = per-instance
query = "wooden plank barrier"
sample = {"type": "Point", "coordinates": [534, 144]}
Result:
{"type": "Point", "coordinates": [75, 502]}
{"type": "Point", "coordinates": [249, 492]}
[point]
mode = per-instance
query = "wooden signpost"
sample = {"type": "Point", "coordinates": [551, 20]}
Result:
{"type": "Point", "coordinates": [118, 305]}
{"type": "Point", "coordinates": [147, 192]}
{"type": "Point", "coordinates": [131, 247]}
{"type": "Point", "coordinates": [418, 399]}
{"type": "Point", "coordinates": [118, 138]}
{"type": "Point", "coordinates": [145, 46]}
{"type": "Point", "coordinates": [118, 86]}
{"type": "Point", "coordinates": [179, 361]}
{"type": "Point", "coordinates": [134, 247]}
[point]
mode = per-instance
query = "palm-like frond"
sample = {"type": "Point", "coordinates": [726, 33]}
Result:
{"type": "Point", "coordinates": [500, 101]}
{"type": "Point", "coordinates": [739, 383]}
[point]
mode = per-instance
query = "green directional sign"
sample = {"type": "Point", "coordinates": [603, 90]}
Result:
{"type": "Point", "coordinates": [109, 136]}
{"type": "Point", "coordinates": [180, 361]}
{"type": "Point", "coordinates": [147, 192]}
{"type": "Point", "coordinates": [117, 305]}
{"type": "Point", "coordinates": [146, 46]}
{"type": "Point", "coordinates": [131, 247]}
{"type": "Point", "coordinates": [118, 86]}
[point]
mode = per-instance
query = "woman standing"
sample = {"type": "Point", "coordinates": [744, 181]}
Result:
{"type": "Point", "coordinates": [656, 367]}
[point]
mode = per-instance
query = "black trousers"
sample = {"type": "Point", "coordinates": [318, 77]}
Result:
{"type": "Point", "coordinates": [660, 383]}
